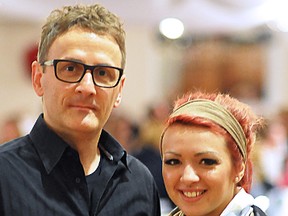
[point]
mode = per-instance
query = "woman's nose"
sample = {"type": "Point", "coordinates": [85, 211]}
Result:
{"type": "Point", "coordinates": [189, 174]}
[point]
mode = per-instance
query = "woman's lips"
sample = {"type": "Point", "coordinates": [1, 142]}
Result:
{"type": "Point", "coordinates": [193, 194]}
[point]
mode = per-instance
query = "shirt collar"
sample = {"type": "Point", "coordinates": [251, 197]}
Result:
{"type": "Point", "coordinates": [51, 147]}
{"type": "Point", "coordinates": [112, 149]}
{"type": "Point", "coordinates": [241, 203]}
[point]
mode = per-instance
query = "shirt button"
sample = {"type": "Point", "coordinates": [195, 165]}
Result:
{"type": "Point", "coordinates": [77, 180]}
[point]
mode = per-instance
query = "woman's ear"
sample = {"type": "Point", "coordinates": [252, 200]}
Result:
{"type": "Point", "coordinates": [241, 173]}
{"type": "Point", "coordinates": [36, 76]}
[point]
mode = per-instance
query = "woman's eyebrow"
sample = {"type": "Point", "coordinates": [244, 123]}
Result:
{"type": "Point", "coordinates": [205, 153]}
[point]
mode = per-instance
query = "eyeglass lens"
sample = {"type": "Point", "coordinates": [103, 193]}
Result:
{"type": "Point", "coordinates": [70, 71]}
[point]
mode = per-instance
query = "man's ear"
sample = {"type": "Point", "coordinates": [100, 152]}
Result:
{"type": "Point", "coordinates": [36, 77]}
{"type": "Point", "coordinates": [119, 96]}
{"type": "Point", "coordinates": [118, 100]}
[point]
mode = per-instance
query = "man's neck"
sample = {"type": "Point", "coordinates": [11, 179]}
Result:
{"type": "Point", "coordinates": [89, 158]}
{"type": "Point", "coordinates": [88, 152]}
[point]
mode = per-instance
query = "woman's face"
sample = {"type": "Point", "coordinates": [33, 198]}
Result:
{"type": "Point", "coordinates": [197, 169]}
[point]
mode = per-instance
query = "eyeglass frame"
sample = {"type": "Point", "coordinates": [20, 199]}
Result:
{"type": "Point", "coordinates": [54, 63]}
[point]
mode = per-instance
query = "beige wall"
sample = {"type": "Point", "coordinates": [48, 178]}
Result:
{"type": "Point", "coordinates": [16, 94]}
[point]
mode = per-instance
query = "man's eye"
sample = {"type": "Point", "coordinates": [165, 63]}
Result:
{"type": "Point", "coordinates": [70, 68]}
{"type": "Point", "coordinates": [172, 162]}
{"type": "Point", "coordinates": [102, 73]}
{"type": "Point", "coordinates": [209, 162]}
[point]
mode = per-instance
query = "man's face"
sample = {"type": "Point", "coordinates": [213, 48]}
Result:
{"type": "Point", "coordinates": [78, 108]}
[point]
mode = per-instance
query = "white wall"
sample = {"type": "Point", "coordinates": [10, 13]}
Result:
{"type": "Point", "coordinates": [277, 72]}
{"type": "Point", "coordinates": [16, 94]}
{"type": "Point", "coordinates": [142, 70]}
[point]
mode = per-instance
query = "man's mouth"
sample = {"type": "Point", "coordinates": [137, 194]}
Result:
{"type": "Point", "coordinates": [85, 106]}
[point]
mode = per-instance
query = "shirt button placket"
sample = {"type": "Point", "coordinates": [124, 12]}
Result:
{"type": "Point", "coordinates": [77, 180]}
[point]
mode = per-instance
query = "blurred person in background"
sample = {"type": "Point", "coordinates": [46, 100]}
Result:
{"type": "Point", "coordinates": [126, 132]}
{"type": "Point", "coordinates": [153, 124]}
{"type": "Point", "coordinates": [276, 156]}
{"type": "Point", "coordinates": [273, 150]}
{"type": "Point", "coordinates": [261, 184]}
{"type": "Point", "coordinates": [10, 130]}
{"type": "Point", "coordinates": [148, 149]}
{"type": "Point", "coordinates": [206, 152]}
{"type": "Point", "coordinates": [279, 194]}
{"type": "Point", "coordinates": [68, 165]}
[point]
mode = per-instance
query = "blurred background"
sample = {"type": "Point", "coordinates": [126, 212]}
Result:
{"type": "Point", "coordinates": [233, 46]}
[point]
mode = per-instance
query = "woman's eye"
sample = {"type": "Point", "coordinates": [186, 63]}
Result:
{"type": "Point", "coordinates": [172, 162]}
{"type": "Point", "coordinates": [209, 162]}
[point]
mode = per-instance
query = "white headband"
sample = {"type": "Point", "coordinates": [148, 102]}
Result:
{"type": "Point", "coordinates": [213, 111]}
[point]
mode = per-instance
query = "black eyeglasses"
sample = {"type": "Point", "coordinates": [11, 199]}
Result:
{"type": "Point", "coordinates": [72, 72]}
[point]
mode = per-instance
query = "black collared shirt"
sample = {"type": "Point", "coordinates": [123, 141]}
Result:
{"type": "Point", "coordinates": [40, 175]}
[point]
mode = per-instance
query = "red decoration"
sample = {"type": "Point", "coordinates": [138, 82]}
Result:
{"type": "Point", "coordinates": [30, 56]}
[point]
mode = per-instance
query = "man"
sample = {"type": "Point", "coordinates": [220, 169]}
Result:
{"type": "Point", "coordinates": [68, 165]}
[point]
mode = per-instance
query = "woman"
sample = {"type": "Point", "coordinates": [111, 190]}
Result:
{"type": "Point", "coordinates": [206, 153]}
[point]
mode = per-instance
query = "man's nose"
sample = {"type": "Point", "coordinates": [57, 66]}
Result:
{"type": "Point", "coordinates": [86, 85]}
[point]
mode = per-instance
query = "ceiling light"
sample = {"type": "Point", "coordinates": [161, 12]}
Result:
{"type": "Point", "coordinates": [171, 28]}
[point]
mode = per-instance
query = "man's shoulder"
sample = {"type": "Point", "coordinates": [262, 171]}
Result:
{"type": "Point", "coordinates": [15, 146]}
{"type": "Point", "coordinates": [137, 167]}
{"type": "Point", "coordinates": [132, 160]}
